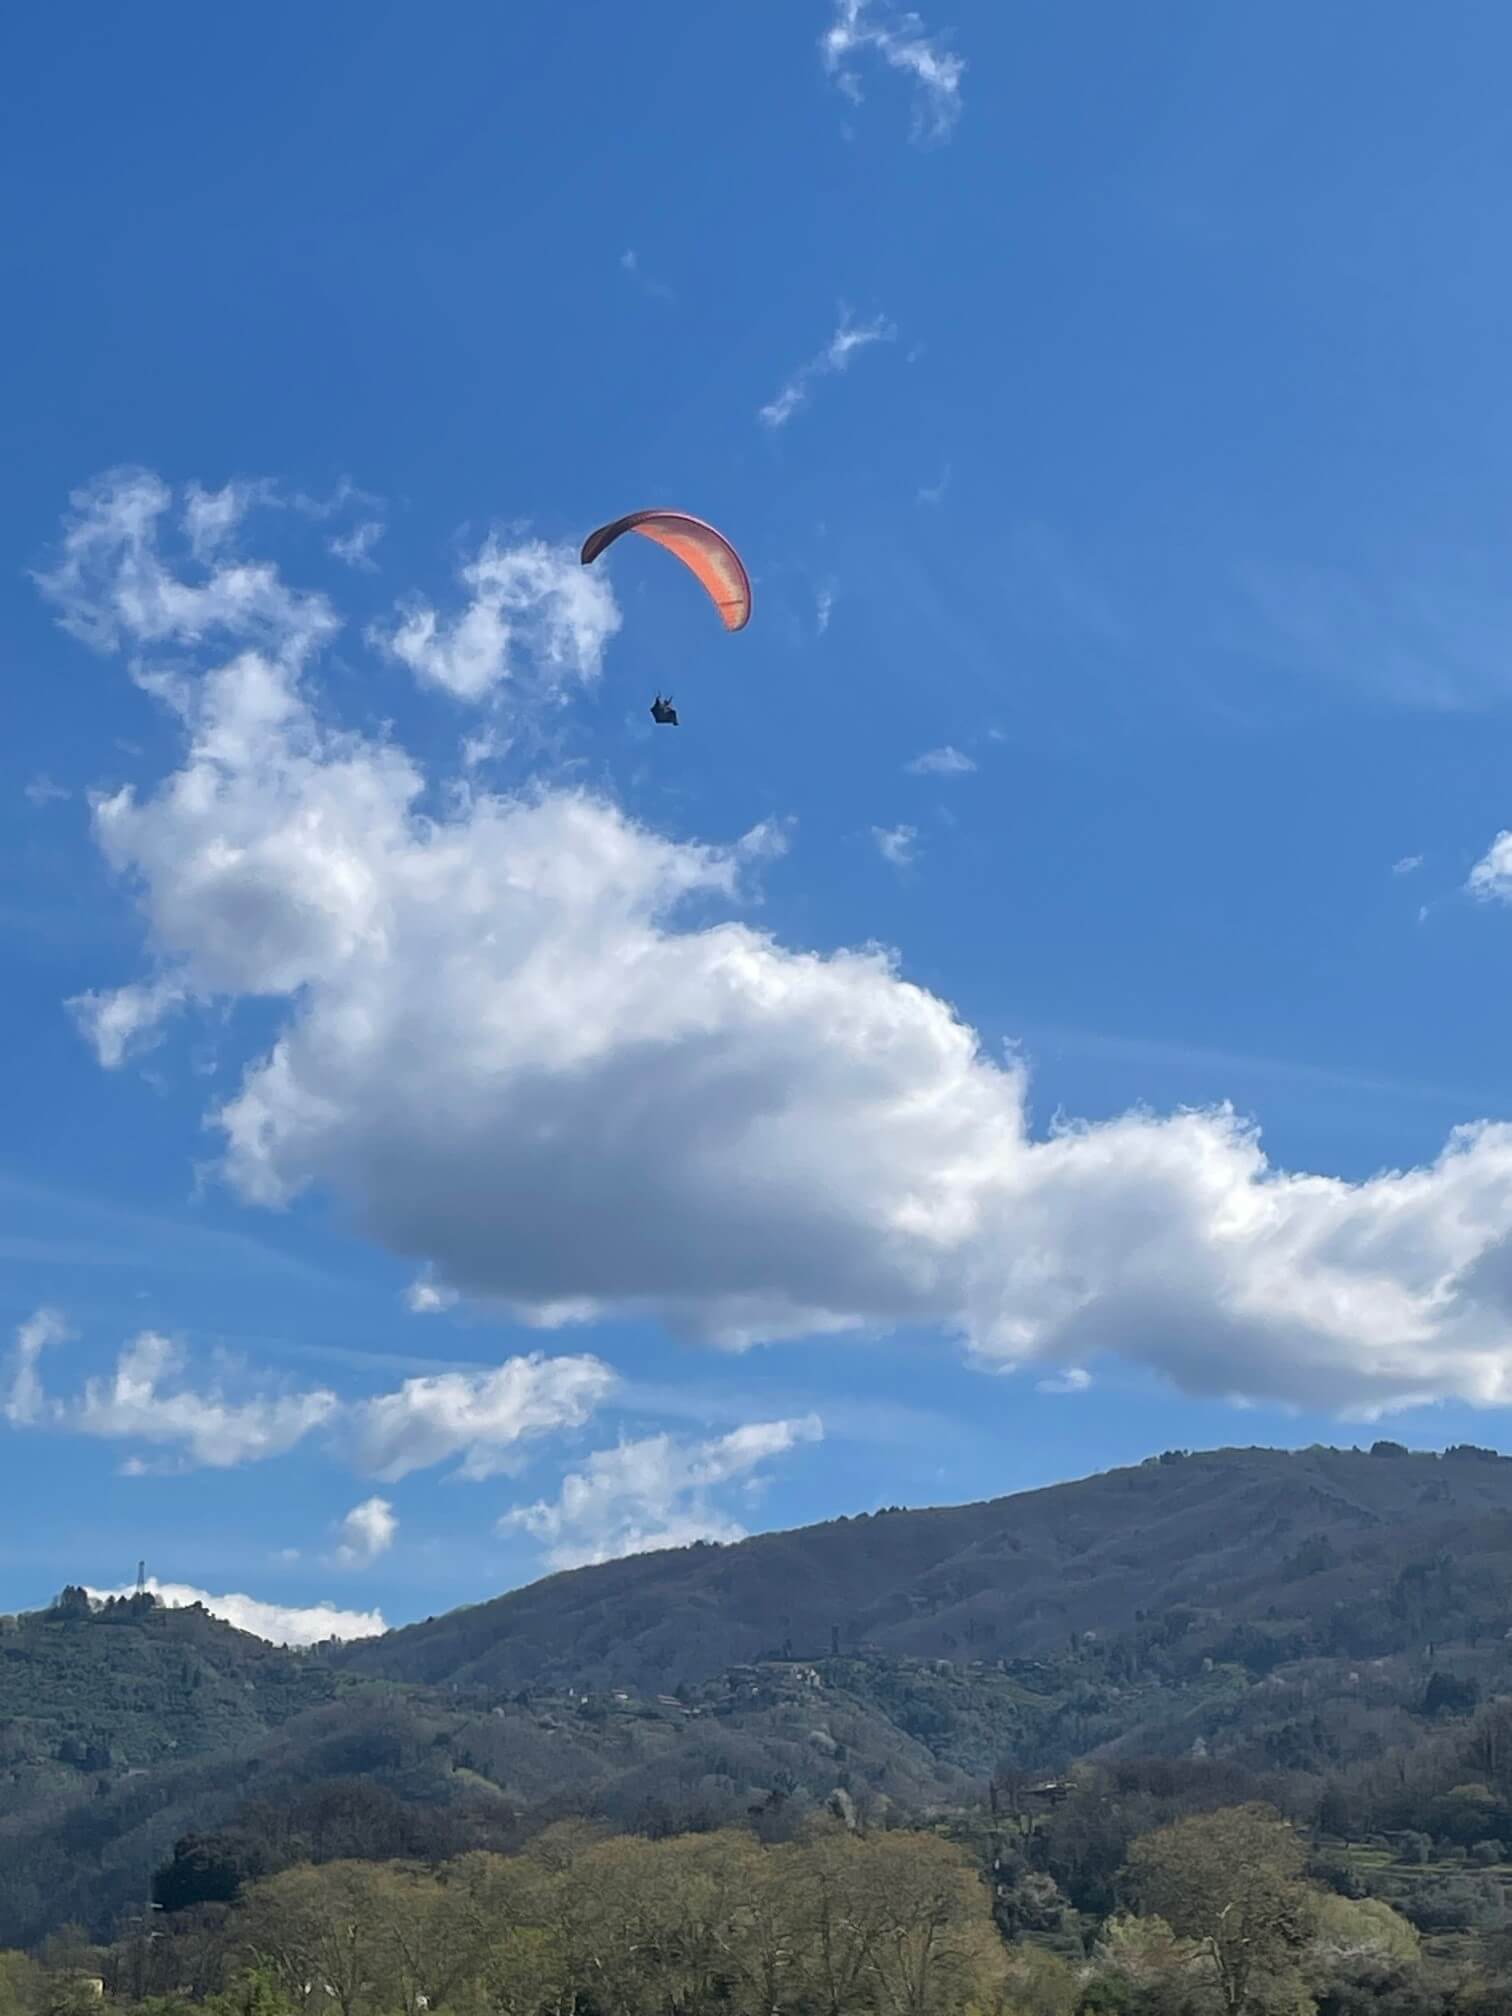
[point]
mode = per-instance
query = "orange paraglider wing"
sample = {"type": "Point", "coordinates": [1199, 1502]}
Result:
{"type": "Point", "coordinates": [699, 547]}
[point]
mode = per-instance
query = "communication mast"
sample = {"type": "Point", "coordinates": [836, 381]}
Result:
{"type": "Point", "coordinates": [141, 1578]}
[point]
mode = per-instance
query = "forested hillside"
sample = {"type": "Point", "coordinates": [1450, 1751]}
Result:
{"type": "Point", "coordinates": [1325, 1631]}
{"type": "Point", "coordinates": [1318, 1550]}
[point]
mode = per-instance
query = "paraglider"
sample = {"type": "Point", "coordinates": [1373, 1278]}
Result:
{"type": "Point", "coordinates": [707, 554]}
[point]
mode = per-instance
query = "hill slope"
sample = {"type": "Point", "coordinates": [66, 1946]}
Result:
{"type": "Point", "coordinates": [1321, 1536]}
{"type": "Point", "coordinates": [1272, 1610]}
{"type": "Point", "coordinates": [125, 1684]}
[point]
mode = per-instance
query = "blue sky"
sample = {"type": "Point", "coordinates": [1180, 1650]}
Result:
{"type": "Point", "coordinates": [1111, 398]}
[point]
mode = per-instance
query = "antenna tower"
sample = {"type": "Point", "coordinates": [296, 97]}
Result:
{"type": "Point", "coordinates": [141, 1578]}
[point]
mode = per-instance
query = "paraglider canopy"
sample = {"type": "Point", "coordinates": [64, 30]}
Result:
{"type": "Point", "coordinates": [708, 553]}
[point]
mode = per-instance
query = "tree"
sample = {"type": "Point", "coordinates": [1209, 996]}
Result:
{"type": "Point", "coordinates": [934, 1945]}
{"type": "Point", "coordinates": [318, 1932]}
{"type": "Point", "coordinates": [1231, 1881]}
{"type": "Point", "coordinates": [1143, 1969]}
{"type": "Point", "coordinates": [20, 1984]}
{"type": "Point", "coordinates": [1038, 1983]}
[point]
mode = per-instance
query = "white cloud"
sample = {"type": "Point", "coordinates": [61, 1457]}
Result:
{"type": "Point", "coordinates": [946, 762]}
{"type": "Point", "coordinates": [1408, 864]}
{"type": "Point", "coordinates": [42, 791]}
{"type": "Point", "coordinates": [1491, 877]}
{"type": "Point", "coordinates": [478, 1417]}
{"type": "Point", "coordinates": [428, 1298]}
{"type": "Point", "coordinates": [536, 1048]}
{"type": "Point", "coordinates": [653, 1493]}
{"type": "Point", "coordinates": [208, 1429]}
{"type": "Point", "coordinates": [896, 844]}
{"type": "Point", "coordinates": [367, 1531]}
{"type": "Point", "coordinates": [1072, 1380]}
{"type": "Point", "coordinates": [127, 1020]}
{"type": "Point", "coordinates": [355, 548]}
{"type": "Point", "coordinates": [835, 357]}
{"type": "Point", "coordinates": [535, 616]}
{"type": "Point", "coordinates": [630, 263]}
{"type": "Point", "coordinates": [278, 1623]}
{"type": "Point", "coordinates": [824, 605]}
{"type": "Point", "coordinates": [111, 582]}
{"type": "Point", "coordinates": [25, 1403]}
{"type": "Point", "coordinates": [901, 42]}
{"type": "Point", "coordinates": [211, 517]}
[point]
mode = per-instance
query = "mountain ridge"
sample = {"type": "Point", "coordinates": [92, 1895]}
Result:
{"type": "Point", "coordinates": [1015, 1576]}
{"type": "Point", "coordinates": [1294, 1615]}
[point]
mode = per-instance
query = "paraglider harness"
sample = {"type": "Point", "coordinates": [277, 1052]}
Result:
{"type": "Point", "coordinates": [663, 713]}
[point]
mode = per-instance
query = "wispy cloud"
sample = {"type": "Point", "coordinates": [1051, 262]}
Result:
{"type": "Point", "coordinates": [427, 1297]}
{"type": "Point", "coordinates": [1423, 637]}
{"type": "Point", "coordinates": [835, 357]}
{"type": "Point", "coordinates": [356, 547]}
{"type": "Point", "coordinates": [42, 791]}
{"type": "Point", "coordinates": [654, 1493]}
{"type": "Point", "coordinates": [630, 262]}
{"type": "Point", "coordinates": [944, 762]}
{"type": "Point", "coordinates": [824, 604]}
{"type": "Point", "coordinates": [895, 844]}
{"type": "Point", "coordinates": [861, 31]}
{"type": "Point", "coordinates": [934, 493]}
{"type": "Point", "coordinates": [1407, 865]}
{"type": "Point", "coordinates": [1072, 1380]}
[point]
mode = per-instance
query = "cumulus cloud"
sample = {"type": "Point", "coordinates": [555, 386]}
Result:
{"type": "Point", "coordinates": [539, 1050]}
{"type": "Point", "coordinates": [144, 1401]}
{"type": "Point", "coordinates": [367, 1531]}
{"type": "Point", "coordinates": [654, 1493]}
{"type": "Point", "coordinates": [278, 1623]}
{"type": "Point", "coordinates": [833, 358]}
{"type": "Point", "coordinates": [26, 1403]}
{"type": "Point", "coordinates": [534, 617]}
{"type": "Point", "coordinates": [860, 30]}
{"type": "Point", "coordinates": [1491, 877]}
{"type": "Point", "coordinates": [479, 1417]}
{"type": "Point", "coordinates": [149, 1399]}
{"type": "Point", "coordinates": [946, 762]}
{"type": "Point", "coordinates": [895, 844]}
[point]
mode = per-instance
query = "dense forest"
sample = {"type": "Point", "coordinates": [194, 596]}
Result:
{"type": "Point", "coordinates": [1282, 1782]}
